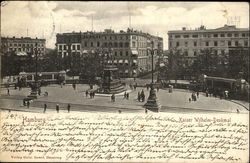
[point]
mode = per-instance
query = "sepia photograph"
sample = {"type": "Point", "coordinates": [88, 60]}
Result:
{"type": "Point", "coordinates": [128, 81]}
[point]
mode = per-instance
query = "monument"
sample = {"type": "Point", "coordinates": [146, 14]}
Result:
{"type": "Point", "coordinates": [111, 83]}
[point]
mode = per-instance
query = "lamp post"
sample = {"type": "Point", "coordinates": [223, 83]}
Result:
{"type": "Point", "coordinates": [152, 102]}
{"type": "Point", "coordinates": [35, 86]}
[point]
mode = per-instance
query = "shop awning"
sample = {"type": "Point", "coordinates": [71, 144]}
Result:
{"type": "Point", "coordinates": [134, 61]}
{"type": "Point", "coordinates": [126, 61]}
{"type": "Point", "coordinates": [134, 52]}
{"type": "Point", "coordinates": [134, 71]}
{"type": "Point", "coordinates": [84, 51]}
{"type": "Point", "coordinates": [126, 71]}
{"type": "Point", "coordinates": [115, 61]}
{"type": "Point", "coordinates": [120, 61]}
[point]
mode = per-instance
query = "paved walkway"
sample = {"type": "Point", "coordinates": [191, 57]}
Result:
{"type": "Point", "coordinates": [171, 102]}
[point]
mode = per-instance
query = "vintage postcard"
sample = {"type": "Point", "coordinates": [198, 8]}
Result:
{"type": "Point", "coordinates": [106, 81]}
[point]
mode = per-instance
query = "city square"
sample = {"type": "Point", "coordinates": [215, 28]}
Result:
{"type": "Point", "coordinates": [124, 81]}
{"type": "Point", "coordinates": [177, 101]}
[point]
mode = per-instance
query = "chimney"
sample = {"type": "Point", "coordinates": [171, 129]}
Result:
{"type": "Point", "coordinates": [183, 28]}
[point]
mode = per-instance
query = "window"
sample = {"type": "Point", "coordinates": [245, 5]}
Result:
{"type": "Point", "coordinates": [126, 44]}
{"type": "Point", "coordinates": [229, 35]}
{"type": "Point", "coordinates": [73, 47]}
{"type": "Point", "coordinates": [115, 44]}
{"type": "Point", "coordinates": [65, 47]}
{"type": "Point", "coordinates": [177, 44]}
{"type": "Point", "coordinates": [207, 43]}
{"type": "Point", "coordinates": [126, 53]}
{"type": "Point", "coordinates": [60, 47]}
{"type": "Point", "coordinates": [177, 36]}
{"type": "Point", "coordinates": [243, 35]}
{"type": "Point", "coordinates": [121, 44]}
{"type": "Point", "coordinates": [236, 43]}
{"type": "Point", "coordinates": [110, 38]}
{"type": "Point", "coordinates": [229, 43]}
{"type": "Point", "coordinates": [186, 36]}
{"type": "Point", "coordinates": [85, 44]}
{"type": "Point", "coordinates": [195, 36]}
{"type": "Point", "coordinates": [105, 44]}
{"type": "Point", "coordinates": [215, 52]}
{"type": "Point", "coordinates": [115, 53]}
{"type": "Point", "coordinates": [195, 53]}
{"type": "Point", "coordinates": [236, 35]}
{"type": "Point", "coordinates": [98, 44]}
{"type": "Point", "coordinates": [133, 44]}
{"type": "Point", "coordinates": [215, 35]}
{"type": "Point", "coordinates": [120, 53]}
{"type": "Point", "coordinates": [215, 43]}
{"type": "Point", "coordinates": [222, 35]}
{"type": "Point", "coordinates": [245, 43]}
{"type": "Point", "coordinates": [186, 44]}
{"type": "Point", "coordinates": [91, 44]}
{"type": "Point", "coordinates": [195, 43]}
{"type": "Point", "coordinates": [78, 47]}
{"type": "Point", "coordinates": [134, 37]}
{"type": "Point", "coordinates": [186, 53]}
{"type": "Point", "coordinates": [170, 44]}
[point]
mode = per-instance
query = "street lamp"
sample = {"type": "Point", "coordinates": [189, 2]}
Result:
{"type": "Point", "coordinates": [152, 102]}
{"type": "Point", "coordinates": [35, 86]}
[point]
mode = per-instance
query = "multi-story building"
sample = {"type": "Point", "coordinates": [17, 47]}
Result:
{"type": "Point", "coordinates": [191, 42]}
{"type": "Point", "coordinates": [22, 46]}
{"type": "Point", "coordinates": [129, 49]}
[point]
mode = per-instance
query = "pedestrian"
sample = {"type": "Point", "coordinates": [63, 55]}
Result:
{"type": "Point", "coordinates": [146, 111]}
{"type": "Point", "coordinates": [127, 96]}
{"type": "Point", "coordinates": [15, 86]}
{"type": "Point", "coordinates": [45, 107]}
{"type": "Point", "coordinates": [39, 91]}
{"type": "Point", "coordinates": [189, 99]}
{"type": "Point", "coordinates": [238, 111]}
{"type": "Point", "coordinates": [61, 84]}
{"type": "Point", "coordinates": [87, 93]}
{"type": "Point", "coordinates": [197, 93]}
{"type": "Point", "coordinates": [8, 91]}
{"type": "Point", "coordinates": [24, 102]}
{"type": "Point", "coordinates": [119, 111]}
{"type": "Point", "coordinates": [139, 97]}
{"type": "Point", "coordinates": [94, 94]}
{"type": "Point", "coordinates": [57, 108]}
{"type": "Point", "coordinates": [68, 108]}
{"type": "Point", "coordinates": [147, 87]}
{"type": "Point", "coordinates": [158, 89]}
{"type": "Point", "coordinates": [142, 96]}
{"type": "Point", "coordinates": [113, 97]}
{"type": "Point", "coordinates": [28, 104]}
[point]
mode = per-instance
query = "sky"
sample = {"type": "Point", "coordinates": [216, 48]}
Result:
{"type": "Point", "coordinates": [44, 19]}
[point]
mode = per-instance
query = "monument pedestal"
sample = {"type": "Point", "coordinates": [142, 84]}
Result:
{"type": "Point", "coordinates": [153, 103]}
{"type": "Point", "coordinates": [111, 82]}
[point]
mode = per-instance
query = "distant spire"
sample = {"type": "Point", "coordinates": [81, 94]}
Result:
{"type": "Point", "coordinates": [92, 23]}
{"type": "Point", "coordinates": [129, 20]}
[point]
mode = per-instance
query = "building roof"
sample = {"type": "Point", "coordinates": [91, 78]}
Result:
{"type": "Point", "coordinates": [202, 29]}
{"type": "Point", "coordinates": [22, 38]}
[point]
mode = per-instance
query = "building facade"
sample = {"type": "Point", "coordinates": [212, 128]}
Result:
{"type": "Point", "coordinates": [23, 46]}
{"type": "Point", "coordinates": [220, 40]}
{"type": "Point", "coordinates": [129, 49]}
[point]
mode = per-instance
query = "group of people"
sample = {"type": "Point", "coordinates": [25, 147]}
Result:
{"type": "Point", "coordinates": [141, 96]}
{"type": "Point", "coordinates": [133, 86]}
{"type": "Point", "coordinates": [57, 108]}
{"type": "Point", "coordinates": [194, 96]}
{"type": "Point", "coordinates": [90, 94]}
{"type": "Point", "coordinates": [126, 96]}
